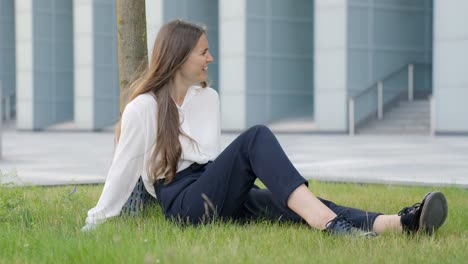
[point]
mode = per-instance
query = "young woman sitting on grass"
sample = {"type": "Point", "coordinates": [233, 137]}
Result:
{"type": "Point", "coordinates": [170, 136]}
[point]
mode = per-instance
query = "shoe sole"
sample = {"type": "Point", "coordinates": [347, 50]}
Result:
{"type": "Point", "coordinates": [433, 212]}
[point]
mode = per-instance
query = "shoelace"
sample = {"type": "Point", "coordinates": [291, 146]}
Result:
{"type": "Point", "coordinates": [407, 210]}
{"type": "Point", "coordinates": [341, 221]}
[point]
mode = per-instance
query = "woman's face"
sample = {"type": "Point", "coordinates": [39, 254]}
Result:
{"type": "Point", "coordinates": [195, 68]}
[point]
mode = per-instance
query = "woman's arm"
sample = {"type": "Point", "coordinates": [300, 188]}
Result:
{"type": "Point", "coordinates": [126, 168]}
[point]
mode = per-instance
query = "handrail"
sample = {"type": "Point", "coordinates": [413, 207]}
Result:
{"type": "Point", "coordinates": [7, 106]}
{"type": "Point", "coordinates": [388, 76]}
{"type": "Point", "coordinates": [433, 115]}
{"type": "Point", "coordinates": [371, 87]}
{"type": "Point", "coordinates": [379, 86]}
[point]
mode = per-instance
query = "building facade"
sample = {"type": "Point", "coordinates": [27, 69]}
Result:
{"type": "Point", "coordinates": [318, 61]}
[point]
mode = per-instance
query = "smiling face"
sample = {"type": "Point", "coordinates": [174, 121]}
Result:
{"type": "Point", "coordinates": [195, 68]}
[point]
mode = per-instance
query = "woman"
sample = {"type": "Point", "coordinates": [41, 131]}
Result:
{"type": "Point", "coordinates": [170, 135]}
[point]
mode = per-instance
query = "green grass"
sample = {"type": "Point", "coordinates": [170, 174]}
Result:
{"type": "Point", "coordinates": [42, 225]}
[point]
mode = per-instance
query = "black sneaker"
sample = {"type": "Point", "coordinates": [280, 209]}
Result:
{"type": "Point", "coordinates": [341, 226]}
{"type": "Point", "coordinates": [425, 217]}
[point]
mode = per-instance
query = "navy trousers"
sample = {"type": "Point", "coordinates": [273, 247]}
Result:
{"type": "Point", "coordinates": [225, 188]}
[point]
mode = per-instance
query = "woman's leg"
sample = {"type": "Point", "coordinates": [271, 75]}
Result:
{"type": "Point", "coordinates": [261, 204]}
{"type": "Point", "coordinates": [426, 216]}
{"type": "Point", "coordinates": [223, 187]}
{"type": "Point", "coordinates": [387, 223]}
{"type": "Point", "coordinates": [310, 208]}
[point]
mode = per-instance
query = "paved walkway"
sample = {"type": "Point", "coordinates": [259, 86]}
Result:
{"type": "Point", "coordinates": [54, 157]}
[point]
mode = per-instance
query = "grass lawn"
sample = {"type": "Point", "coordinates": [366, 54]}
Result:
{"type": "Point", "coordinates": [42, 225]}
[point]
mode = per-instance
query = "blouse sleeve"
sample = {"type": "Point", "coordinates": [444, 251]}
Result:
{"type": "Point", "coordinates": [127, 166]}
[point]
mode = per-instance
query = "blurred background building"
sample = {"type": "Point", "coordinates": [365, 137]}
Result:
{"type": "Point", "coordinates": [341, 66]}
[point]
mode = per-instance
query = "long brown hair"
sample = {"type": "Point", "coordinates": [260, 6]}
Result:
{"type": "Point", "coordinates": [173, 45]}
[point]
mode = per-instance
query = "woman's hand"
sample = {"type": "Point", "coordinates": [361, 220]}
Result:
{"type": "Point", "coordinates": [88, 227]}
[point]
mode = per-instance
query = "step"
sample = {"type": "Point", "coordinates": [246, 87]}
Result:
{"type": "Point", "coordinates": [415, 102]}
{"type": "Point", "coordinates": [421, 128]}
{"type": "Point", "coordinates": [406, 110]}
{"type": "Point", "coordinates": [393, 132]}
{"type": "Point", "coordinates": [403, 118]}
{"type": "Point", "coordinates": [413, 105]}
{"type": "Point", "coordinates": [407, 113]}
{"type": "Point", "coordinates": [388, 127]}
{"type": "Point", "coordinates": [416, 110]}
{"type": "Point", "coordinates": [380, 129]}
{"type": "Point", "coordinates": [400, 128]}
{"type": "Point", "coordinates": [399, 124]}
{"type": "Point", "coordinates": [406, 117]}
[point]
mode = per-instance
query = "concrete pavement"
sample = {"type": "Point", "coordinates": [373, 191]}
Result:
{"type": "Point", "coordinates": [67, 157]}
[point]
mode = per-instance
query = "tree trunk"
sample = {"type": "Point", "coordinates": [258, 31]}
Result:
{"type": "Point", "coordinates": [131, 43]}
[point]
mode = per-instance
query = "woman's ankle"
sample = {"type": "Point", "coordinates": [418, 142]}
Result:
{"type": "Point", "coordinates": [384, 223]}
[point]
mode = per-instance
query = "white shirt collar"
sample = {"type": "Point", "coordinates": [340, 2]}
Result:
{"type": "Point", "coordinates": [190, 93]}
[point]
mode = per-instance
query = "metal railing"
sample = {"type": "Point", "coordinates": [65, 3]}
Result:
{"type": "Point", "coordinates": [8, 108]}
{"type": "Point", "coordinates": [433, 115]}
{"type": "Point", "coordinates": [6, 102]}
{"type": "Point", "coordinates": [379, 87]}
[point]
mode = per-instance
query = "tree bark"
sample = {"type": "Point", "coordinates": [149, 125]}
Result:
{"type": "Point", "coordinates": [131, 43]}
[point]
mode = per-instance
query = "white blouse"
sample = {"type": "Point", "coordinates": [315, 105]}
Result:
{"type": "Point", "coordinates": [200, 119]}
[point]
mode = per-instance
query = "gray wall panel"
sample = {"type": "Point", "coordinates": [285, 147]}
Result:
{"type": "Point", "coordinates": [7, 52]}
{"type": "Point", "coordinates": [289, 105]}
{"type": "Point", "coordinates": [257, 74]}
{"type": "Point", "coordinates": [257, 113]}
{"type": "Point", "coordinates": [257, 7]}
{"type": "Point", "coordinates": [279, 60]}
{"type": "Point", "coordinates": [106, 92]}
{"type": "Point", "coordinates": [52, 62]}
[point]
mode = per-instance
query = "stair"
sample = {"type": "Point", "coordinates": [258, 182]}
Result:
{"type": "Point", "coordinates": [409, 118]}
